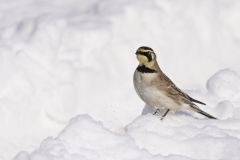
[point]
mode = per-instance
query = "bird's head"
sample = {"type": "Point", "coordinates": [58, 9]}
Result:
{"type": "Point", "coordinates": [146, 56]}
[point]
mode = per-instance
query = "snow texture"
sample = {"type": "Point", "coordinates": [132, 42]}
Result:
{"type": "Point", "coordinates": [178, 137]}
{"type": "Point", "coordinates": [64, 59]}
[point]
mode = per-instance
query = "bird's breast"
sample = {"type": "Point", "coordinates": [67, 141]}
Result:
{"type": "Point", "coordinates": [151, 93]}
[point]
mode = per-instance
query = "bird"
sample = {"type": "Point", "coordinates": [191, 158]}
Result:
{"type": "Point", "coordinates": [157, 90]}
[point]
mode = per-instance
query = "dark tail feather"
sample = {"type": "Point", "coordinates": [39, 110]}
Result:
{"type": "Point", "coordinates": [196, 101]}
{"type": "Point", "coordinates": [196, 109]}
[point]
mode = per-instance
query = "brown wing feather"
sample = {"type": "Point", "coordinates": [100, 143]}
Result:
{"type": "Point", "coordinates": [176, 92]}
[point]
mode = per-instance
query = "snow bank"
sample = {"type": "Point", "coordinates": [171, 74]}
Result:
{"type": "Point", "coordinates": [178, 137]}
{"type": "Point", "coordinates": [183, 135]}
{"type": "Point", "coordinates": [87, 139]}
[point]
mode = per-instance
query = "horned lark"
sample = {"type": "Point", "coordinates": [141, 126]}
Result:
{"type": "Point", "coordinates": [157, 90]}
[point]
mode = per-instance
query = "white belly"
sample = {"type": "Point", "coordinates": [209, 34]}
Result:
{"type": "Point", "coordinates": [150, 94]}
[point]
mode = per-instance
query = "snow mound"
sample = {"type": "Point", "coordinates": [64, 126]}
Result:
{"type": "Point", "coordinates": [185, 136]}
{"type": "Point", "coordinates": [177, 137]}
{"type": "Point", "coordinates": [224, 83]}
{"type": "Point", "coordinates": [87, 139]}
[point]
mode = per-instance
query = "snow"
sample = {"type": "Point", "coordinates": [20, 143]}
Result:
{"type": "Point", "coordinates": [85, 138]}
{"type": "Point", "coordinates": [223, 84]}
{"type": "Point", "coordinates": [75, 58]}
{"type": "Point", "coordinates": [177, 137]}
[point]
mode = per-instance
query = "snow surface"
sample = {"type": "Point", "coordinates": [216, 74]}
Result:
{"type": "Point", "coordinates": [75, 58]}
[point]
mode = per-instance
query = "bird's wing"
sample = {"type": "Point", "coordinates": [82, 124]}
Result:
{"type": "Point", "coordinates": [175, 91]}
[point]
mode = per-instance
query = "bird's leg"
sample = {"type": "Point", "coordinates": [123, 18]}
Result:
{"type": "Point", "coordinates": [164, 115]}
{"type": "Point", "coordinates": [157, 110]}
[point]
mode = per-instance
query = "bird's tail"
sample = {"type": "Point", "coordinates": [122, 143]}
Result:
{"type": "Point", "coordinates": [197, 109]}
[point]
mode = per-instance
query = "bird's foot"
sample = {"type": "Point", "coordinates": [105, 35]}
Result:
{"type": "Point", "coordinates": [164, 115]}
{"type": "Point", "coordinates": [156, 112]}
